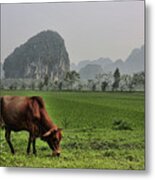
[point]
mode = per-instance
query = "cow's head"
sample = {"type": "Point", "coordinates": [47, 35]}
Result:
{"type": "Point", "coordinates": [53, 138]}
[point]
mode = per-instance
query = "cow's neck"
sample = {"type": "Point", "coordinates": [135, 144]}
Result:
{"type": "Point", "coordinates": [47, 123]}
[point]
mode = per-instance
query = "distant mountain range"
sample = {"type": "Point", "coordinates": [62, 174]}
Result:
{"type": "Point", "coordinates": [89, 71]}
{"type": "Point", "coordinates": [133, 64]}
{"type": "Point", "coordinates": [89, 68]}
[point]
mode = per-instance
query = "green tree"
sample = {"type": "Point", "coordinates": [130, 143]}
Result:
{"type": "Point", "coordinates": [72, 77]}
{"type": "Point", "coordinates": [40, 85]}
{"type": "Point", "coordinates": [116, 76]}
{"type": "Point", "coordinates": [139, 78]}
{"type": "Point", "coordinates": [46, 80]}
{"type": "Point", "coordinates": [23, 86]}
{"type": "Point", "coordinates": [94, 87]}
{"type": "Point", "coordinates": [32, 85]}
{"type": "Point", "coordinates": [60, 85]}
{"type": "Point", "coordinates": [90, 84]}
{"type": "Point", "coordinates": [104, 85]}
{"type": "Point", "coordinates": [80, 86]}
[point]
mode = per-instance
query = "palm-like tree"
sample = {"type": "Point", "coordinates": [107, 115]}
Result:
{"type": "Point", "coordinates": [72, 77]}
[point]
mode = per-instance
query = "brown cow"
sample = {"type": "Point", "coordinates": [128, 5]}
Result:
{"type": "Point", "coordinates": [29, 114]}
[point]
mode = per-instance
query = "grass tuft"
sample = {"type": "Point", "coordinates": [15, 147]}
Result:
{"type": "Point", "coordinates": [121, 125]}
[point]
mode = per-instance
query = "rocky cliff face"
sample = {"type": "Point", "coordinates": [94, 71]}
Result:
{"type": "Point", "coordinates": [43, 54]}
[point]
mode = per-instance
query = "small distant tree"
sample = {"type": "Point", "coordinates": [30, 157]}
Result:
{"type": "Point", "coordinates": [40, 85]}
{"type": "Point", "coordinates": [1, 85]}
{"type": "Point", "coordinates": [94, 87]}
{"type": "Point", "coordinates": [60, 86]}
{"type": "Point", "coordinates": [32, 85]}
{"type": "Point", "coordinates": [13, 86]}
{"type": "Point", "coordinates": [71, 77]}
{"type": "Point", "coordinates": [138, 79]}
{"type": "Point", "coordinates": [80, 86]}
{"type": "Point", "coordinates": [99, 78]}
{"type": "Point", "coordinates": [23, 86]}
{"type": "Point", "coordinates": [131, 84]}
{"type": "Point", "coordinates": [46, 80]}
{"type": "Point", "coordinates": [55, 85]}
{"type": "Point", "coordinates": [104, 85]}
{"type": "Point", "coordinates": [108, 78]}
{"type": "Point", "coordinates": [89, 84]}
{"type": "Point", "coordinates": [116, 76]}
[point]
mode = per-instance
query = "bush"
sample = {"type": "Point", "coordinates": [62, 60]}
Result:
{"type": "Point", "coordinates": [65, 123]}
{"type": "Point", "coordinates": [121, 125]}
{"type": "Point", "coordinates": [109, 153]}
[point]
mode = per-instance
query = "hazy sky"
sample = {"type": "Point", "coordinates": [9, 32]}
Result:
{"type": "Point", "coordinates": [90, 29]}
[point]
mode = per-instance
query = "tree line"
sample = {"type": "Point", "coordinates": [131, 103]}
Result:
{"type": "Point", "coordinates": [72, 82]}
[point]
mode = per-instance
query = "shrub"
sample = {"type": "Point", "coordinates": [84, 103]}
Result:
{"type": "Point", "coordinates": [121, 125]}
{"type": "Point", "coordinates": [109, 153]}
{"type": "Point", "coordinates": [65, 123]}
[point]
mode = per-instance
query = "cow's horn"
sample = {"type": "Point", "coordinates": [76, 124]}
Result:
{"type": "Point", "coordinates": [47, 133]}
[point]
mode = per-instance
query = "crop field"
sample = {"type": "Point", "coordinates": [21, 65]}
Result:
{"type": "Point", "coordinates": [100, 130]}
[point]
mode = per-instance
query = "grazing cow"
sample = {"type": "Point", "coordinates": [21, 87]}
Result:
{"type": "Point", "coordinates": [28, 113]}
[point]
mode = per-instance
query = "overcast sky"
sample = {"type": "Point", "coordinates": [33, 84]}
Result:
{"type": "Point", "coordinates": [90, 29]}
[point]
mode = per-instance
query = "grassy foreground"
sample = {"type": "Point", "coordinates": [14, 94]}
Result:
{"type": "Point", "coordinates": [89, 137]}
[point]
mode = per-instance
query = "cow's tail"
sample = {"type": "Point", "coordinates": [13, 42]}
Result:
{"type": "Point", "coordinates": [1, 112]}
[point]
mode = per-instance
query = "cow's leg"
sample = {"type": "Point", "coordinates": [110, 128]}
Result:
{"type": "Point", "coordinates": [7, 137]}
{"type": "Point", "coordinates": [34, 146]}
{"type": "Point", "coordinates": [29, 143]}
{"type": "Point", "coordinates": [31, 140]}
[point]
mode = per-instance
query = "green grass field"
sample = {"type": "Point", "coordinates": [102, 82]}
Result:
{"type": "Point", "coordinates": [89, 139]}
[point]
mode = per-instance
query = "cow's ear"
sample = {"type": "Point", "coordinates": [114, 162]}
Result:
{"type": "Point", "coordinates": [34, 107]}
